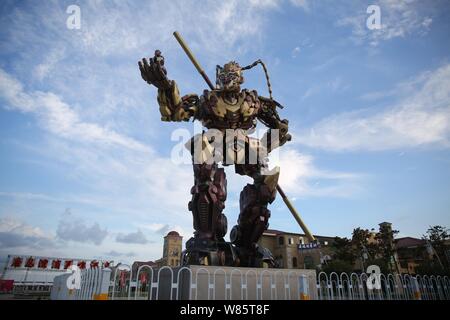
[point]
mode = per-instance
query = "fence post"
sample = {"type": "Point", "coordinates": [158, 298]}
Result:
{"type": "Point", "coordinates": [103, 284]}
{"type": "Point", "coordinates": [304, 287]}
{"type": "Point", "coordinates": [241, 281]}
{"type": "Point", "coordinates": [416, 289]}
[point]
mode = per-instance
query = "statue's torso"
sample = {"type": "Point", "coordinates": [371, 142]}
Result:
{"type": "Point", "coordinates": [219, 113]}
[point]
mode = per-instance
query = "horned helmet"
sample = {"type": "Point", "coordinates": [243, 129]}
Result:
{"type": "Point", "coordinates": [229, 77]}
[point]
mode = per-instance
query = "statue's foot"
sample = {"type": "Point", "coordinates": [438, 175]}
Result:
{"type": "Point", "coordinates": [201, 251]}
{"type": "Point", "coordinates": [258, 257]}
{"type": "Point", "coordinates": [251, 254]}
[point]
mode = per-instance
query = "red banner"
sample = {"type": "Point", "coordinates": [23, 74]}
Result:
{"type": "Point", "coordinates": [17, 262]}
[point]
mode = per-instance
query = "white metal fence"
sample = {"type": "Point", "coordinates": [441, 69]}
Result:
{"type": "Point", "coordinates": [202, 283]}
{"type": "Point", "coordinates": [95, 283]}
{"type": "Point", "coordinates": [392, 287]}
{"type": "Point", "coordinates": [147, 283]}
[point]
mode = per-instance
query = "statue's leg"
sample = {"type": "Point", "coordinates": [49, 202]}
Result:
{"type": "Point", "coordinates": [208, 200]}
{"type": "Point", "coordinates": [254, 215]}
{"type": "Point", "coordinates": [210, 224]}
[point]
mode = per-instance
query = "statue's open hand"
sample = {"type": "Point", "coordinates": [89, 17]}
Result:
{"type": "Point", "coordinates": [154, 72]}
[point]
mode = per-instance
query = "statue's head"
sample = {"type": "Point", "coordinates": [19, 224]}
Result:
{"type": "Point", "coordinates": [229, 77]}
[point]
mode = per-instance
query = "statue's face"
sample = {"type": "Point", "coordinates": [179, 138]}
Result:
{"type": "Point", "coordinates": [229, 78]}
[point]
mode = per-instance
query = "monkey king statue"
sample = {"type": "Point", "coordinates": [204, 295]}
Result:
{"type": "Point", "coordinates": [224, 109]}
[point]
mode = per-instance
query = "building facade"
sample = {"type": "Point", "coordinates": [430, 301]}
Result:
{"type": "Point", "coordinates": [295, 251]}
{"type": "Point", "coordinates": [173, 246]}
{"type": "Point", "coordinates": [410, 253]}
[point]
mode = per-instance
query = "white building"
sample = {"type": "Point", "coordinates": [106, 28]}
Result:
{"type": "Point", "coordinates": [33, 275]}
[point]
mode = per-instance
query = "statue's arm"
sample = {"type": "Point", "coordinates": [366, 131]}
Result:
{"type": "Point", "coordinates": [269, 116]}
{"type": "Point", "coordinates": [172, 106]}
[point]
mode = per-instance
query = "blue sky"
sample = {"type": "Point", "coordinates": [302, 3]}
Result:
{"type": "Point", "coordinates": [85, 161]}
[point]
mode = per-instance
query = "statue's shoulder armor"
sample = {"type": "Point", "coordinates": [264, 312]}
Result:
{"type": "Point", "coordinates": [209, 98]}
{"type": "Point", "coordinates": [251, 103]}
{"type": "Point", "coordinates": [207, 101]}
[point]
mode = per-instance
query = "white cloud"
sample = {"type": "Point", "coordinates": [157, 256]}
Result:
{"type": "Point", "coordinates": [399, 18]}
{"type": "Point", "coordinates": [160, 228]}
{"type": "Point", "coordinates": [16, 226]}
{"type": "Point", "coordinates": [137, 237]}
{"type": "Point", "coordinates": [304, 4]}
{"type": "Point", "coordinates": [75, 229]}
{"type": "Point", "coordinates": [299, 176]}
{"type": "Point", "coordinates": [58, 117]}
{"type": "Point", "coordinates": [15, 234]}
{"type": "Point", "coordinates": [421, 117]}
{"type": "Point", "coordinates": [42, 70]}
{"type": "Point", "coordinates": [12, 91]}
{"type": "Point", "coordinates": [163, 229]}
{"type": "Point", "coordinates": [115, 254]}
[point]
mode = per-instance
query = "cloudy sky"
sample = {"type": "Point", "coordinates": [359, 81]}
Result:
{"type": "Point", "coordinates": [85, 168]}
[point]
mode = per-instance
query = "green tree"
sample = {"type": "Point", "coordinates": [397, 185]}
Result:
{"type": "Point", "coordinates": [374, 250]}
{"type": "Point", "coordinates": [360, 241]}
{"type": "Point", "coordinates": [385, 237]}
{"type": "Point", "coordinates": [343, 250]}
{"type": "Point", "coordinates": [432, 269]}
{"type": "Point", "coordinates": [437, 236]}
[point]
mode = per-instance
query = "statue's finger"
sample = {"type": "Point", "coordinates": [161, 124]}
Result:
{"type": "Point", "coordinates": [146, 65]}
{"type": "Point", "coordinates": [143, 74]}
{"type": "Point", "coordinates": [148, 70]}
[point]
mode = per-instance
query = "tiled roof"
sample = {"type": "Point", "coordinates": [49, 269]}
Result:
{"type": "Point", "coordinates": [409, 242]}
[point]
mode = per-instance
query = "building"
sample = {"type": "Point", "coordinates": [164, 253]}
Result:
{"type": "Point", "coordinates": [173, 246]}
{"type": "Point", "coordinates": [295, 251]}
{"type": "Point", "coordinates": [33, 276]}
{"type": "Point", "coordinates": [137, 264]}
{"type": "Point", "coordinates": [410, 254]}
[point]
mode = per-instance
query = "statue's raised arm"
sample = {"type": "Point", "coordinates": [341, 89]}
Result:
{"type": "Point", "coordinates": [172, 106]}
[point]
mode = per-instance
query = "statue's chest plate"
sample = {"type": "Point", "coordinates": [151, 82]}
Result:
{"type": "Point", "coordinates": [232, 115]}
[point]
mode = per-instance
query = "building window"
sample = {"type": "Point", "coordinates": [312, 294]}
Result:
{"type": "Point", "coordinates": [291, 241]}
{"type": "Point", "coordinates": [294, 262]}
{"type": "Point", "coordinates": [325, 243]}
{"type": "Point", "coordinates": [301, 240]}
{"type": "Point", "coordinates": [280, 261]}
{"type": "Point", "coordinates": [309, 262]}
{"type": "Point", "coordinates": [281, 241]}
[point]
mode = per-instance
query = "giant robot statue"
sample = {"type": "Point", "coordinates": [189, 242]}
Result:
{"type": "Point", "coordinates": [225, 106]}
